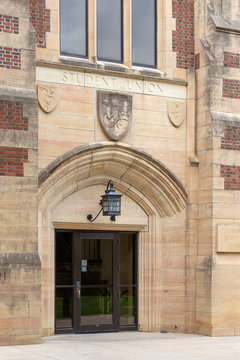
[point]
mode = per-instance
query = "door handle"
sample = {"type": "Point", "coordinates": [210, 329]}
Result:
{"type": "Point", "coordinates": [78, 289]}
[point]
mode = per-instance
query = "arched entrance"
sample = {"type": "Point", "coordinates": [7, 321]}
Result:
{"type": "Point", "coordinates": [69, 189]}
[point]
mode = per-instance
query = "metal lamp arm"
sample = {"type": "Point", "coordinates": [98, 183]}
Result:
{"type": "Point", "coordinates": [110, 183]}
{"type": "Point", "coordinates": [89, 216]}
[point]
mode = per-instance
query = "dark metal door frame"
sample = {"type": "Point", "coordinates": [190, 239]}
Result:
{"type": "Point", "coordinates": [76, 259]}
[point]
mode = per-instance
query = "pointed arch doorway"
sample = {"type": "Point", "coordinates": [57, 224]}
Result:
{"type": "Point", "coordinates": [70, 188]}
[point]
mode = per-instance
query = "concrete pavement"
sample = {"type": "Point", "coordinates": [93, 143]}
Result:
{"type": "Point", "coordinates": [126, 346]}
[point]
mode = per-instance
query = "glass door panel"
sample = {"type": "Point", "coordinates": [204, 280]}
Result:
{"type": "Point", "coordinates": [64, 307]}
{"type": "Point", "coordinates": [64, 281]}
{"type": "Point", "coordinates": [128, 280]}
{"type": "Point", "coordinates": [127, 306]}
{"type": "Point", "coordinates": [96, 277]}
{"type": "Point", "coordinates": [96, 306]}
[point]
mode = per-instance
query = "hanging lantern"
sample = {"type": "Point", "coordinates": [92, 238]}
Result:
{"type": "Point", "coordinates": [110, 204]}
{"type": "Point", "coordinates": [111, 201]}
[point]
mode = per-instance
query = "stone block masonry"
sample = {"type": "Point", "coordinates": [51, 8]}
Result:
{"type": "Point", "coordinates": [20, 298]}
{"type": "Point", "coordinates": [231, 140]}
{"type": "Point", "coordinates": [20, 266]}
{"type": "Point", "coordinates": [231, 59]}
{"type": "Point", "coordinates": [10, 58]}
{"type": "Point", "coordinates": [231, 88]}
{"type": "Point", "coordinates": [183, 37]}
{"type": "Point", "coordinates": [9, 24]}
{"type": "Point", "coordinates": [231, 176]}
{"type": "Point", "coordinates": [11, 116]}
{"type": "Point", "coordinates": [12, 160]}
{"type": "Point", "coordinates": [40, 17]}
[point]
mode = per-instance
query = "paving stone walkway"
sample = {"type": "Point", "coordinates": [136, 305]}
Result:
{"type": "Point", "coordinates": [127, 346]}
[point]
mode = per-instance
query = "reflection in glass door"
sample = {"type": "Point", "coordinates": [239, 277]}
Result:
{"type": "Point", "coordinates": [128, 280]}
{"type": "Point", "coordinates": [97, 295]}
{"type": "Point", "coordinates": [96, 281]}
{"type": "Point", "coordinates": [64, 286]}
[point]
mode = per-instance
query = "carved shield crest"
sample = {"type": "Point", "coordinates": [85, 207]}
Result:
{"type": "Point", "coordinates": [47, 97]}
{"type": "Point", "coordinates": [114, 113]}
{"type": "Point", "coordinates": [176, 112]}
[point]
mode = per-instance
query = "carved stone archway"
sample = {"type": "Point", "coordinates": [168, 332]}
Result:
{"type": "Point", "coordinates": [149, 186]}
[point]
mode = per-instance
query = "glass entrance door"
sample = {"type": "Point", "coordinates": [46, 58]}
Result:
{"type": "Point", "coordinates": [96, 276]}
{"type": "Point", "coordinates": [96, 281]}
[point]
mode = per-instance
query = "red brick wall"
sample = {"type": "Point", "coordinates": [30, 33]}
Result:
{"type": "Point", "coordinates": [40, 17]}
{"type": "Point", "coordinates": [12, 160]}
{"type": "Point", "coordinates": [11, 116]}
{"type": "Point", "coordinates": [231, 140]}
{"type": "Point", "coordinates": [10, 58]}
{"type": "Point", "coordinates": [231, 176]}
{"type": "Point", "coordinates": [231, 59]}
{"type": "Point", "coordinates": [183, 37]}
{"type": "Point", "coordinates": [231, 88]}
{"type": "Point", "coordinates": [9, 24]}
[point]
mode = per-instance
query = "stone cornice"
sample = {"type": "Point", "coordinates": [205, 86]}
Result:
{"type": "Point", "coordinates": [223, 26]}
{"type": "Point", "coordinates": [9, 92]}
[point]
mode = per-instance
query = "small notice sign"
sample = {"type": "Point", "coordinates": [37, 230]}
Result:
{"type": "Point", "coordinates": [228, 238]}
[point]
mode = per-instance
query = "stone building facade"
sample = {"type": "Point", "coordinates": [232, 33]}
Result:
{"type": "Point", "coordinates": [162, 123]}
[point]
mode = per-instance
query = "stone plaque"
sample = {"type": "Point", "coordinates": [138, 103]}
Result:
{"type": "Point", "coordinates": [47, 97]}
{"type": "Point", "coordinates": [176, 112]}
{"type": "Point", "coordinates": [114, 113]}
{"type": "Point", "coordinates": [228, 238]}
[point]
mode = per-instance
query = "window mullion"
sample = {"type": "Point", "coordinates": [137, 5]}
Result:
{"type": "Point", "coordinates": [127, 32]}
{"type": "Point", "coordinates": [92, 30]}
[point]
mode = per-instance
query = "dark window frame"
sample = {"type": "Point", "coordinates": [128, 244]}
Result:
{"type": "Point", "coordinates": [121, 46]}
{"type": "Point", "coordinates": [60, 35]}
{"type": "Point", "coordinates": [155, 41]}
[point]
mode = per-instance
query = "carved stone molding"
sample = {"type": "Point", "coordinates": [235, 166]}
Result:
{"type": "Point", "coordinates": [223, 26]}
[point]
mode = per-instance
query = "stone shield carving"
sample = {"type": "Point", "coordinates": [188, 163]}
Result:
{"type": "Point", "coordinates": [176, 112]}
{"type": "Point", "coordinates": [47, 97]}
{"type": "Point", "coordinates": [114, 113]}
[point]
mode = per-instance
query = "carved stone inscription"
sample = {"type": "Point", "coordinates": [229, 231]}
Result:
{"type": "Point", "coordinates": [47, 97]}
{"type": "Point", "coordinates": [114, 113]}
{"type": "Point", "coordinates": [228, 238]}
{"type": "Point", "coordinates": [111, 83]}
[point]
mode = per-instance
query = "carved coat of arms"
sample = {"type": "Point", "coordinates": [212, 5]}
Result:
{"type": "Point", "coordinates": [47, 97]}
{"type": "Point", "coordinates": [176, 112]}
{"type": "Point", "coordinates": [114, 113]}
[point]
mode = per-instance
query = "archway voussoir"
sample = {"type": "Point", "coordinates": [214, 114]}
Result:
{"type": "Point", "coordinates": [126, 164]}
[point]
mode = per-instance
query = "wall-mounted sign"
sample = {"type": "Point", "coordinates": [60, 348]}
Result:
{"type": "Point", "coordinates": [84, 265]}
{"type": "Point", "coordinates": [112, 83]}
{"type": "Point", "coordinates": [228, 238]}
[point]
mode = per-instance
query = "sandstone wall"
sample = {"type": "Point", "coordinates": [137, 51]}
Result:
{"type": "Point", "coordinates": [20, 276]}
